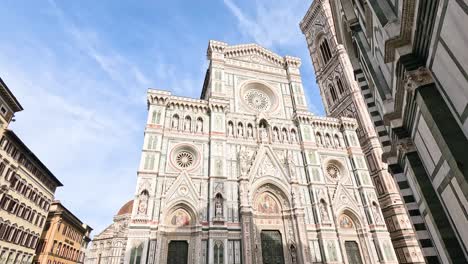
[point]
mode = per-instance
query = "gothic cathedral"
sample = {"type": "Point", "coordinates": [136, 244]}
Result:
{"type": "Point", "coordinates": [246, 174]}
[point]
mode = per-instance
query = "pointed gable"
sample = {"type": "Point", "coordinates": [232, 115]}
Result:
{"type": "Point", "coordinates": [182, 189]}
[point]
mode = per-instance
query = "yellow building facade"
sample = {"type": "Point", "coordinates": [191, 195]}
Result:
{"type": "Point", "coordinates": [64, 239]}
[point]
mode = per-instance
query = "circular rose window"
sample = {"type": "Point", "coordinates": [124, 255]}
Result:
{"type": "Point", "coordinates": [259, 97]}
{"type": "Point", "coordinates": [258, 100]}
{"type": "Point", "coordinates": [333, 171]}
{"type": "Point", "coordinates": [184, 159]}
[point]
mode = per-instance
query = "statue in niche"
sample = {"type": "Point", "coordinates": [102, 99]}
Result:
{"type": "Point", "coordinates": [293, 254]}
{"type": "Point", "coordinates": [375, 211]}
{"type": "Point", "coordinates": [263, 133]}
{"type": "Point", "coordinates": [327, 140]}
{"type": "Point", "coordinates": [293, 136]}
{"type": "Point", "coordinates": [291, 165]}
{"type": "Point", "coordinates": [187, 124]}
{"type": "Point", "coordinates": [199, 125]}
{"type": "Point", "coordinates": [175, 122]}
{"type": "Point", "coordinates": [143, 203]}
{"type": "Point", "coordinates": [318, 138]}
{"type": "Point", "coordinates": [219, 206]}
{"type": "Point", "coordinates": [244, 160]}
{"type": "Point", "coordinates": [275, 135]}
{"type": "Point", "coordinates": [323, 211]}
{"type": "Point", "coordinates": [249, 131]}
{"type": "Point", "coordinates": [337, 141]}
{"type": "Point", "coordinates": [240, 130]}
{"type": "Point", "coordinates": [285, 135]}
{"type": "Point", "coordinates": [230, 129]}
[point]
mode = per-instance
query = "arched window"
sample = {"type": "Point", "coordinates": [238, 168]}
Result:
{"type": "Point", "coordinates": [218, 252]}
{"type": "Point", "coordinates": [325, 51]}
{"type": "Point", "coordinates": [340, 85]}
{"type": "Point", "coordinates": [333, 93]}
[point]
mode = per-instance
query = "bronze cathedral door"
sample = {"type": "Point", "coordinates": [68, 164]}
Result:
{"type": "Point", "coordinates": [352, 251]}
{"type": "Point", "coordinates": [177, 252]}
{"type": "Point", "coordinates": [272, 247]}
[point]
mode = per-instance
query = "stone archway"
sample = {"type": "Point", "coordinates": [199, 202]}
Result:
{"type": "Point", "coordinates": [274, 229]}
{"type": "Point", "coordinates": [179, 237]}
{"type": "Point", "coordinates": [352, 238]}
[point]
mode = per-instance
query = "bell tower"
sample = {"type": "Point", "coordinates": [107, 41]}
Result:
{"type": "Point", "coordinates": [342, 97]}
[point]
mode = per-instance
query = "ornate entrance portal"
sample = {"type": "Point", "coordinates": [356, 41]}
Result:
{"type": "Point", "coordinates": [177, 252]}
{"type": "Point", "coordinates": [272, 247]}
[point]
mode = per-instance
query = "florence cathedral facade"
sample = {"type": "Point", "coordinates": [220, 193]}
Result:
{"type": "Point", "coordinates": [246, 174]}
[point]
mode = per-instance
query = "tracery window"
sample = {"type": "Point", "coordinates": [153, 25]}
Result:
{"type": "Point", "coordinates": [218, 252]}
{"type": "Point", "coordinates": [135, 255]}
{"type": "Point", "coordinates": [339, 83]}
{"type": "Point", "coordinates": [257, 99]}
{"type": "Point", "coordinates": [332, 93]}
{"type": "Point", "coordinates": [325, 51]}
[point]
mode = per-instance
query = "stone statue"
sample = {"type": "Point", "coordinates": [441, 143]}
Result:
{"type": "Point", "coordinates": [187, 124]}
{"type": "Point", "coordinates": [230, 130]}
{"type": "Point", "coordinates": [324, 212]}
{"type": "Point", "coordinates": [293, 137]}
{"type": "Point", "coordinates": [240, 131]}
{"type": "Point", "coordinates": [285, 135]}
{"type": "Point", "coordinates": [263, 133]}
{"type": "Point", "coordinates": [218, 208]}
{"type": "Point", "coordinates": [375, 211]}
{"type": "Point", "coordinates": [293, 254]}
{"type": "Point", "coordinates": [275, 135]}
{"type": "Point", "coordinates": [175, 122]}
{"type": "Point", "coordinates": [199, 125]}
{"type": "Point", "coordinates": [143, 205]}
{"type": "Point", "coordinates": [291, 165]}
{"type": "Point", "coordinates": [244, 160]}
{"type": "Point", "coordinates": [249, 132]}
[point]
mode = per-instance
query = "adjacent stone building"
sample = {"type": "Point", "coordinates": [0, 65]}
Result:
{"type": "Point", "coordinates": [27, 189]}
{"type": "Point", "coordinates": [109, 246]}
{"type": "Point", "coordinates": [341, 97]}
{"type": "Point", "coordinates": [246, 174]}
{"type": "Point", "coordinates": [64, 239]}
{"type": "Point", "coordinates": [408, 60]}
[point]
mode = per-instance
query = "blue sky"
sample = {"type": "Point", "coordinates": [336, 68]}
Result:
{"type": "Point", "coordinates": [81, 69]}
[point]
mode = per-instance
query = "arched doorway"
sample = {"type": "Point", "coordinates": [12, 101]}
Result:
{"type": "Point", "coordinates": [274, 229]}
{"type": "Point", "coordinates": [178, 236]}
{"type": "Point", "coordinates": [350, 238]}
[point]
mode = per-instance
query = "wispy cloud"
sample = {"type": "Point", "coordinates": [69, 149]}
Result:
{"type": "Point", "coordinates": [270, 23]}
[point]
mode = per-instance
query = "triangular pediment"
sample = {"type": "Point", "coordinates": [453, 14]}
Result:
{"type": "Point", "coordinates": [182, 189]}
{"type": "Point", "coordinates": [267, 164]}
{"type": "Point", "coordinates": [343, 198]}
{"type": "Point", "coordinates": [254, 53]}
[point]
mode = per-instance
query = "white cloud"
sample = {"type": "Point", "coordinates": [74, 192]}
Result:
{"type": "Point", "coordinates": [273, 23]}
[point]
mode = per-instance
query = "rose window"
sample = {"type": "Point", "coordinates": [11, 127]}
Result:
{"type": "Point", "coordinates": [184, 159]}
{"type": "Point", "coordinates": [333, 171]}
{"type": "Point", "coordinates": [257, 100]}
